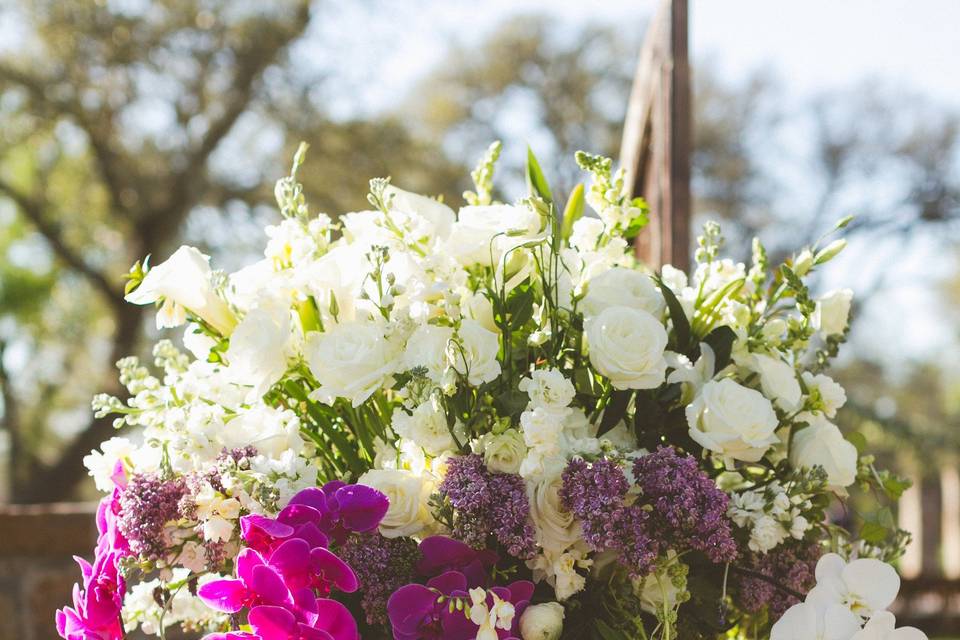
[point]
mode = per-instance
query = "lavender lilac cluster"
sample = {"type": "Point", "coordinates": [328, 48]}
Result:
{"type": "Point", "coordinates": [489, 504]}
{"type": "Point", "coordinates": [382, 565]}
{"type": "Point", "coordinates": [147, 504]}
{"type": "Point", "coordinates": [688, 507]}
{"type": "Point", "coordinates": [595, 493]}
{"type": "Point", "coordinates": [789, 565]}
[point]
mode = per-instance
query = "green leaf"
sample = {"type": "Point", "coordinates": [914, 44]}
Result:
{"type": "Point", "coordinates": [873, 532]}
{"type": "Point", "coordinates": [681, 325]}
{"type": "Point", "coordinates": [511, 403]}
{"type": "Point", "coordinates": [648, 418]}
{"type": "Point", "coordinates": [536, 183]}
{"type": "Point", "coordinates": [721, 341]}
{"type": "Point", "coordinates": [572, 212]}
{"type": "Point", "coordinates": [614, 411]}
{"type": "Point", "coordinates": [858, 440]}
{"type": "Point", "coordinates": [894, 486]}
{"type": "Point", "coordinates": [520, 307]}
{"type": "Point", "coordinates": [607, 632]}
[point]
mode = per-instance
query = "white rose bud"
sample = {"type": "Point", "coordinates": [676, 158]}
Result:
{"type": "Point", "coordinates": [542, 621]}
{"type": "Point", "coordinates": [732, 420]}
{"type": "Point", "coordinates": [408, 494]}
{"type": "Point", "coordinates": [503, 453]}
{"type": "Point", "coordinates": [833, 312]}
{"type": "Point", "coordinates": [622, 287]}
{"type": "Point", "coordinates": [627, 346]}
{"type": "Point", "coordinates": [822, 444]}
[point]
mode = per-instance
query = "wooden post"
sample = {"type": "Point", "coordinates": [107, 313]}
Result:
{"type": "Point", "coordinates": [655, 151]}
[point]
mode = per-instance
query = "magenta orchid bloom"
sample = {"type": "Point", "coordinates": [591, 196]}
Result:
{"type": "Point", "coordinates": [95, 614]}
{"type": "Point", "coordinates": [440, 554]}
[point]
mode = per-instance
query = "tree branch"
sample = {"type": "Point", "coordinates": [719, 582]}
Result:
{"type": "Point", "coordinates": [32, 210]}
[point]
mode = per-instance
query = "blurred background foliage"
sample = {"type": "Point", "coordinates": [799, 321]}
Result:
{"type": "Point", "coordinates": [129, 127]}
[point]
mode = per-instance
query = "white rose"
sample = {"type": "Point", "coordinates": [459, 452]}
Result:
{"type": "Point", "coordinates": [351, 361]}
{"type": "Point", "coordinates": [831, 394]}
{"type": "Point", "coordinates": [627, 346]}
{"type": "Point", "coordinates": [503, 452]}
{"type": "Point", "coordinates": [259, 347]}
{"type": "Point", "coordinates": [542, 621]}
{"type": "Point", "coordinates": [480, 232]}
{"type": "Point", "coordinates": [438, 216]}
{"type": "Point", "coordinates": [555, 526]}
{"type": "Point", "coordinates": [778, 381]}
{"type": "Point", "coordinates": [474, 354]}
{"type": "Point", "coordinates": [732, 420]}
{"type": "Point", "coordinates": [549, 389]}
{"type": "Point", "coordinates": [427, 347]}
{"type": "Point", "coordinates": [407, 492]}
{"type": "Point", "coordinates": [183, 283]}
{"type": "Point", "coordinates": [622, 287]}
{"type": "Point", "coordinates": [427, 427]}
{"type": "Point", "coordinates": [822, 444]}
{"type": "Point", "coordinates": [833, 312]}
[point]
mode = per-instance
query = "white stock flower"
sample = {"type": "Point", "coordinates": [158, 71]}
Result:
{"type": "Point", "coordinates": [832, 396]}
{"type": "Point", "coordinates": [259, 348]}
{"type": "Point", "coordinates": [474, 353]}
{"type": "Point", "coordinates": [627, 345]}
{"type": "Point", "coordinates": [624, 287]}
{"type": "Point", "coordinates": [543, 621]}
{"type": "Point", "coordinates": [864, 586]}
{"type": "Point", "coordinates": [882, 626]}
{"type": "Point", "coordinates": [184, 282]}
{"type": "Point", "coordinates": [778, 380]}
{"type": "Point", "coordinates": [833, 312]}
{"type": "Point", "coordinates": [821, 444]}
{"type": "Point", "coordinates": [407, 492]}
{"type": "Point", "coordinates": [732, 420]}
{"type": "Point", "coordinates": [351, 360]}
{"type": "Point", "coordinates": [426, 426]}
{"type": "Point", "coordinates": [503, 452]}
{"type": "Point", "coordinates": [808, 621]}
{"type": "Point", "coordinates": [556, 528]}
{"type": "Point", "coordinates": [548, 389]}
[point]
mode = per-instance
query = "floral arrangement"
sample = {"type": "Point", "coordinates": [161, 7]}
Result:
{"type": "Point", "coordinates": [415, 422]}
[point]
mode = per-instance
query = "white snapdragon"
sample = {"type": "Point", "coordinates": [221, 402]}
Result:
{"type": "Point", "coordinates": [821, 444]}
{"type": "Point", "coordinates": [732, 420]}
{"type": "Point", "coordinates": [832, 312]}
{"type": "Point", "coordinates": [184, 282]}
{"type": "Point", "coordinates": [627, 345]}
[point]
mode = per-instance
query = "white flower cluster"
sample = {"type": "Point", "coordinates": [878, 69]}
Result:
{"type": "Point", "coordinates": [848, 603]}
{"type": "Point", "coordinates": [771, 515]}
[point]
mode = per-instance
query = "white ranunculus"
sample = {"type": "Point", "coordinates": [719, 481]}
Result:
{"type": "Point", "coordinates": [882, 626]}
{"type": "Point", "coordinates": [484, 232]}
{"type": "Point", "coordinates": [627, 346]}
{"type": "Point", "coordinates": [622, 287]}
{"type": "Point", "coordinates": [732, 420]}
{"type": "Point", "coordinates": [833, 312]}
{"type": "Point", "coordinates": [556, 528]}
{"type": "Point", "coordinates": [864, 586]}
{"type": "Point", "coordinates": [427, 427]}
{"type": "Point", "coordinates": [808, 621]}
{"type": "Point", "coordinates": [831, 394]}
{"type": "Point", "coordinates": [542, 621]}
{"type": "Point", "coordinates": [503, 452]}
{"type": "Point", "coordinates": [821, 444]}
{"type": "Point", "coordinates": [439, 216]}
{"type": "Point", "coordinates": [778, 380]}
{"type": "Point", "coordinates": [548, 389]}
{"type": "Point", "coordinates": [407, 492]}
{"type": "Point", "coordinates": [259, 348]}
{"type": "Point", "coordinates": [474, 353]}
{"type": "Point", "coordinates": [351, 360]}
{"type": "Point", "coordinates": [427, 347]}
{"type": "Point", "coordinates": [184, 282]}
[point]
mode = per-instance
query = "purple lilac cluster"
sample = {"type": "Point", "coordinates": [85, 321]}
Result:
{"type": "Point", "coordinates": [489, 504]}
{"type": "Point", "coordinates": [382, 565]}
{"type": "Point", "coordinates": [595, 493]}
{"type": "Point", "coordinates": [439, 609]}
{"type": "Point", "coordinates": [688, 507]}
{"type": "Point", "coordinates": [95, 614]}
{"type": "Point", "coordinates": [789, 565]}
{"type": "Point", "coordinates": [147, 504]}
{"type": "Point", "coordinates": [287, 570]}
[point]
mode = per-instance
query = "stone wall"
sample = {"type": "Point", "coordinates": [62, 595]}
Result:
{"type": "Point", "coordinates": [37, 571]}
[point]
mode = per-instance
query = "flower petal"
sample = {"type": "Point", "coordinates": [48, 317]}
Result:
{"type": "Point", "coordinates": [336, 619]}
{"type": "Point", "coordinates": [273, 623]}
{"type": "Point", "coordinates": [228, 595]}
{"type": "Point", "coordinates": [872, 582]}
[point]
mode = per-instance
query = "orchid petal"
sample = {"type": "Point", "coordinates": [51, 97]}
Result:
{"type": "Point", "coordinates": [336, 619]}
{"type": "Point", "coordinates": [273, 623]}
{"type": "Point", "coordinates": [334, 570]}
{"type": "Point", "coordinates": [872, 582]}
{"type": "Point", "coordinates": [228, 595]}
